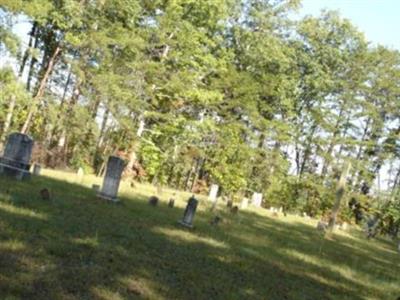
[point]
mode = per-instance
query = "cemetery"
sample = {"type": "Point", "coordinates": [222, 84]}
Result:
{"type": "Point", "coordinates": [60, 238]}
{"type": "Point", "coordinates": [190, 150]}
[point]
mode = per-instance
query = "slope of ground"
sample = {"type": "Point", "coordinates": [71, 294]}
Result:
{"type": "Point", "coordinates": [78, 247]}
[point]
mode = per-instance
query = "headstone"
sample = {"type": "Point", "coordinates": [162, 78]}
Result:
{"type": "Point", "coordinates": [322, 226]}
{"type": "Point", "coordinates": [96, 187]}
{"type": "Point", "coordinates": [37, 169]}
{"type": "Point", "coordinates": [159, 189]}
{"type": "Point", "coordinates": [215, 221]}
{"type": "Point", "coordinates": [229, 203]}
{"type": "Point", "coordinates": [45, 194]}
{"type": "Point", "coordinates": [235, 209]}
{"type": "Point", "coordinates": [213, 192]}
{"type": "Point", "coordinates": [153, 200]}
{"type": "Point", "coordinates": [189, 213]}
{"type": "Point", "coordinates": [344, 226]}
{"type": "Point", "coordinates": [80, 174]}
{"type": "Point", "coordinates": [115, 167]}
{"type": "Point", "coordinates": [17, 155]}
{"type": "Point", "coordinates": [256, 200]}
{"type": "Point", "coordinates": [245, 203]}
{"type": "Point", "coordinates": [171, 202]}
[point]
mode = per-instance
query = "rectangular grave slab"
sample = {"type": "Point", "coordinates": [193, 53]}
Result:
{"type": "Point", "coordinates": [109, 190]}
{"type": "Point", "coordinates": [256, 200]}
{"type": "Point", "coordinates": [213, 192]}
{"type": "Point", "coordinates": [189, 213]}
{"type": "Point", "coordinates": [17, 155]}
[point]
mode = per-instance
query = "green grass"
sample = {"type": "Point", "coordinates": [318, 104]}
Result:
{"type": "Point", "coordinates": [78, 247]}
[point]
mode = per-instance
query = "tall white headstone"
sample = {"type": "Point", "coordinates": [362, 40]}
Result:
{"type": "Point", "coordinates": [80, 173]}
{"type": "Point", "coordinates": [256, 200]}
{"type": "Point", "coordinates": [245, 203]}
{"type": "Point", "coordinates": [213, 192]}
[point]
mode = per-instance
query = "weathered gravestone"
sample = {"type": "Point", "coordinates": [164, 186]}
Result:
{"type": "Point", "coordinates": [37, 169]}
{"type": "Point", "coordinates": [189, 213]}
{"type": "Point", "coordinates": [256, 200]}
{"type": "Point", "coordinates": [213, 192]}
{"type": "Point", "coordinates": [96, 187]}
{"type": "Point", "coordinates": [229, 203]}
{"type": "Point", "coordinates": [80, 173]}
{"type": "Point", "coordinates": [153, 200]}
{"type": "Point", "coordinates": [17, 155]}
{"type": "Point", "coordinates": [245, 203]}
{"type": "Point", "coordinates": [235, 209]}
{"type": "Point", "coordinates": [109, 190]}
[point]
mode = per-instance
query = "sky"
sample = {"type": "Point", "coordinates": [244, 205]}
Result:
{"type": "Point", "coordinates": [378, 19]}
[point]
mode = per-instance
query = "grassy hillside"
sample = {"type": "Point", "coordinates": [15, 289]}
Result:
{"type": "Point", "coordinates": [78, 247]}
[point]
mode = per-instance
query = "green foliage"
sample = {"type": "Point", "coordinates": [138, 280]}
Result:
{"type": "Point", "coordinates": [218, 91]}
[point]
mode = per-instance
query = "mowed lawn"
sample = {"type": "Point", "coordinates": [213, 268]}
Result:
{"type": "Point", "coordinates": [78, 247]}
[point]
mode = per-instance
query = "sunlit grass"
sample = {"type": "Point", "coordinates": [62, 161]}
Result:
{"type": "Point", "coordinates": [76, 246]}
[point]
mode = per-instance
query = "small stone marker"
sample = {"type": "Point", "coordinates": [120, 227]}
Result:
{"type": "Point", "coordinates": [189, 213]}
{"type": "Point", "coordinates": [216, 220]}
{"type": "Point", "coordinates": [213, 192]}
{"type": "Point", "coordinates": [322, 226]}
{"type": "Point", "coordinates": [229, 203]}
{"type": "Point", "coordinates": [235, 209]}
{"type": "Point", "coordinates": [153, 200]}
{"type": "Point", "coordinates": [159, 189]}
{"type": "Point", "coordinates": [96, 187]}
{"type": "Point", "coordinates": [17, 155]}
{"type": "Point", "coordinates": [244, 203]}
{"type": "Point", "coordinates": [45, 194]}
{"type": "Point", "coordinates": [109, 191]}
{"type": "Point", "coordinates": [344, 226]}
{"type": "Point", "coordinates": [171, 202]}
{"type": "Point", "coordinates": [37, 169]}
{"type": "Point", "coordinates": [256, 200]}
{"type": "Point", "coordinates": [80, 174]}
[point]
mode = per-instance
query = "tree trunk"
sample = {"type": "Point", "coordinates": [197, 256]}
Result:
{"type": "Point", "coordinates": [339, 195]}
{"type": "Point", "coordinates": [102, 129]}
{"type": "Point", "coordinates": [26, 53]}
{"type": "Point", "coordinates": [332, 144]}
{"type": "Point", "coordinates": [7, 122]}
{"type": "Point", "coordinates": [189, 176]}
{"type": "Point", "coordinates": [307, 151]}
{"type": "Point", "coordinates": [32, 63]}
{"type": "Point", "coordinates": [40, 91]}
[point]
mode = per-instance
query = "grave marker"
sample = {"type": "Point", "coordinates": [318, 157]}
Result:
{"type": "Point", "coordinates": [256, 200]}
{"type": "Point", "coordinates": [245, 203]}
{"type": "Point", "coordinates": [109, 190]}
{"type": "Point", "coordinates": [213, 192]}
{"type": "Point", "coordinates": [189, 213]}
{"type": "Point", "coordinates": [17, 155]}
{"type": "Point", "coordinates": [37, 169]}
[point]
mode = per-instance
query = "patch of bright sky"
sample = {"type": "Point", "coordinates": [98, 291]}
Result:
{"type": "Point", "coordinates": [378, 19]}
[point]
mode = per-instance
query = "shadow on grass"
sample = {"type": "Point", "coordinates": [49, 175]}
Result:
{"type": "Point", "coordinates": [78, 247]}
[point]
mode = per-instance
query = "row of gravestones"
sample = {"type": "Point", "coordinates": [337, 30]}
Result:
{"type": "Point", "coordinates": [16, 158]}
{"type": "Point", "coordinates": [256, 198]}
